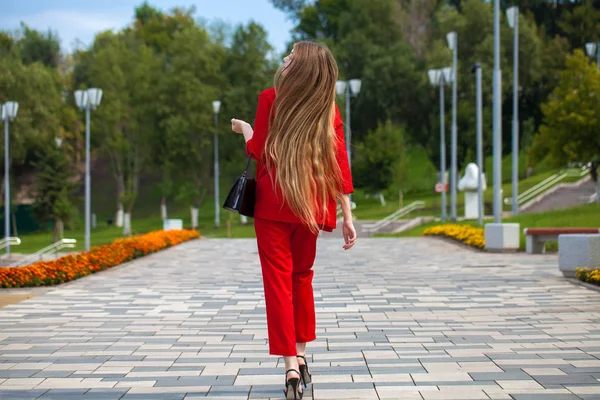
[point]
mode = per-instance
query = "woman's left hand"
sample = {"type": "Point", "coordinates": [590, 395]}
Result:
{"type": "Point", "coordinates": [349, 234]}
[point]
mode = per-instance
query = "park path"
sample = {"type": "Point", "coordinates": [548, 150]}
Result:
{"type": "Point", "coordinates": [397, 319]}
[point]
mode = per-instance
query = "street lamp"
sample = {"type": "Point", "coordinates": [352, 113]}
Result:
{"type": "Point", "coordinates": [593, 50]}
{"type": "Point", "coordinates": [477, 70]}
{"type": "Point", "coordinates": [349, 88]}
{"type": "Point", "coordinates": [216, 108]}
{"type": "Point", "coordinates": [88, 100]}
{"type": "Point", "coordinates": [513, 20]}
{"type": "Point", "coordinates": [452, 38]}
{"type": "Point", "coordinates": [8, 113]}
{"type": "Point", "coordinates": [497, 115]}
{"type": "Point", "coordinates": [440, 77]}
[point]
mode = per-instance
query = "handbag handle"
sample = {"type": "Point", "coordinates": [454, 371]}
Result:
{"type": "Point", "coordinates": [248, 163]}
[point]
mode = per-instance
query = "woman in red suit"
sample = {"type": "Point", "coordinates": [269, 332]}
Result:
{"type": "Point", "coordinates": [302, 173]}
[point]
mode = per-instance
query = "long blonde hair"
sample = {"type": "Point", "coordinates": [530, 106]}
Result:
{"type": "Point", "coordinates": [301, 143]}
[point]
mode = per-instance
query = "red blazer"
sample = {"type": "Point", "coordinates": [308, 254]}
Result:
{"type": "Point", "coordinates": [269, 200]}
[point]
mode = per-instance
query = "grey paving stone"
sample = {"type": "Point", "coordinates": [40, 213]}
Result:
{"type": "Point", "coordinates": [21, 394]}
{"type": "Point", "coordinates": [387, 309]}
{"type": "Point", "coordinates": [499, 376]}
{"type": "Point", "coordinates": [567, 379]}
{"type": "Point", "coordinates": [545, 396]}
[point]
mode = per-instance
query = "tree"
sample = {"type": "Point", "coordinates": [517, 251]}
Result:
{"type": "Point", "coordinates": [381, 158]}
{"type": "Point", "coordinates": [248, 71]}
{"type": "Point", "coordinates": [54, 189]}
{"type": "Point", "coordinates": [38, 47]}
{"type": "Point", "coordinates": [191, 84]}
{"type": "Point", "coordinates": [582, 24]}
{"type": "Point", "coordinates": [126, 70]}
{"type": "Point", "coordinates": [158, 30]}
{"type": "Point", "coordinates": [570, 132]}
{"type": "Point", "coordinates": [289, 6]}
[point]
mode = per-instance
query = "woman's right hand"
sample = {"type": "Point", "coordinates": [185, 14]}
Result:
{"type": "Point", "coordinates": [237, 125]}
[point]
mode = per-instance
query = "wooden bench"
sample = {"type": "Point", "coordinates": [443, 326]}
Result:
{"type": "Point", "coordinates": [537, 237]}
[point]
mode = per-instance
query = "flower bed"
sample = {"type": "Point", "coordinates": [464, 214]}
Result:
{"type": "Point", "coordinates": [466, 234]}
{"type": "Point", "coordinates": [588, 275]}
{"type": "Point", "coordinates": [65, 269]}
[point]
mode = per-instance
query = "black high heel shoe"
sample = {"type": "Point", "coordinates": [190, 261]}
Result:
{"type": "Point", "coordinates": [292, 386]}
{"type": "Point", "coordinates": [305, 375]}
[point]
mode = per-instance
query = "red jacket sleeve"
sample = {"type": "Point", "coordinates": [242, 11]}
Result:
{"type": "Point", "coordinates": [342, 154]}
{"type": "Point", "coordinates": [261, 124]}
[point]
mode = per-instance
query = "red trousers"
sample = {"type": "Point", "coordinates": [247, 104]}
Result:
{"type": "Point", "coordinates": [287, 253]}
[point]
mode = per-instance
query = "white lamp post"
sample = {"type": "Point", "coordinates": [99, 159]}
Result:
{"type": "Point", "coordinates": [350, 89]}
{"type": "Point", "coordinates": [441, 77]}
{"type": "Point", "coordinates": [8, 113]}
{"type": "Point", "coordinates": [593, 49]}
{"type": "Point", "coordinates": [216, 108]}
{"type": "Point", "coordinates": [452, 38]}
{"type": "Point", "coordinates": [88, 100]}
{"type": "Point", "coordinates": [479, 122]}
{"type": "Point", "coordinates": [513, 20]}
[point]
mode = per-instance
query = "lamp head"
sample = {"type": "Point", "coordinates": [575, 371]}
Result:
{"type": "Point", "coordinates": [340, 87]}
{"type": "Point", "coordinates": [452, 38]}
{"type": "Point", "coordinates": [448, 74]}
{"type": "Point", "coordinates": [591, 48]}
{"type": "Point", "coordinates": [94, 97]}
{"type": "Point", "coordinates": [81, 99]}
{"type": "Point", "coordinates": [216, 106]}
{"type": "Point", "coordinates": [434, 76]}
{"type": "Point", "coordinates": [512, 14]}
{"type": "Point", "coordinates": [10, 110]}
{"type": "Point", "coordinates": [355, 85]}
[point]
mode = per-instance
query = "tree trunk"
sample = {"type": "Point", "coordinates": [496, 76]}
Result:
{"type": "Point", "coordinates": [127, 224]}
{"type": "Point", "coordinates": [163, 207]}
{"type": "Point", "coordinates": [119, 216]}
{"type": "Point", "coordinates": [120, 191]}
{"type": "Point", "coordinates": [14, 224]}
{"type": "Point", "coordinates": [194, 211]}
{"type": "Point", "coordinates": [55, 232]}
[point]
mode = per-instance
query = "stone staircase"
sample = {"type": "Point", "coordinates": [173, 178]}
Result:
{"type": "Point", "coordinates": [562, 196]}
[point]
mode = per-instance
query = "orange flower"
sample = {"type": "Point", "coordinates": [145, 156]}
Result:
{"type": "Point", "coordinates": [97, 259]}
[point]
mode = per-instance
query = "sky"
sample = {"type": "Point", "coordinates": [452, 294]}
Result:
{"type": "Point", "coordinates": [81, 20]}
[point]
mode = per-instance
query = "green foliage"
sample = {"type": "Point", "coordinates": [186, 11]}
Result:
{"type": "Point", "coordinates": [38, 47]}
{"type": "Point", "coordinates": [38, 114]}
{"type": "Point", "coordinates": [161, 73]}
{"type": "Point", "coordinates": [381, 158]}
{"type": "Point", "coordinates": [54, 189]}
{"type": "Point", "coordinates": [420, 174]}
{"type": "Point", "coordinates": [571, 115]}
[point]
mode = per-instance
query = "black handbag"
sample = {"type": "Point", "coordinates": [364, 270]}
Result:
{"type": "Point", "coordinates": [241, 197]}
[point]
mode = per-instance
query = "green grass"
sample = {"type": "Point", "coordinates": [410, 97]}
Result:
{"type": "Point", "coordinates": [103, 233]}
{"type": "Point", "coordinates": [146, 215]}
{"type": "Point", "coordinates": [587, 216]}
{"type": "Point", "coordinates": [371, 209]}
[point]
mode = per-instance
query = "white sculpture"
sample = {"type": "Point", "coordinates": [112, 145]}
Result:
{"type": "Point", "coordinates": [469, 184]}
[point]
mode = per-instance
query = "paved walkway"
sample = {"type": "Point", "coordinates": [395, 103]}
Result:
{"type": "Point", "coordinates": [397, 319]}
